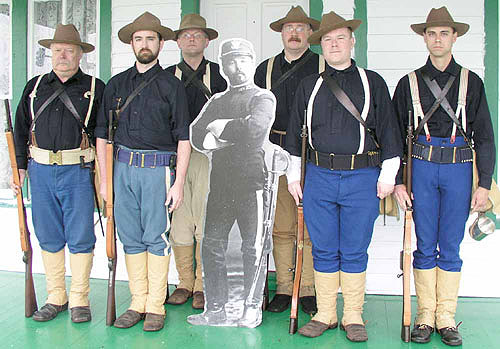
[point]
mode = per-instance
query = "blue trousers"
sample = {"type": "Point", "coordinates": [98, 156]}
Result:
{"type": "Point", "coordinates": [63, 207]}
{"type": "Point", "coordinates": [340, 208]}
{"type": "Point", "coordinates": [441, 206]}
{"type": "Point", "coordinates": [141, 215]}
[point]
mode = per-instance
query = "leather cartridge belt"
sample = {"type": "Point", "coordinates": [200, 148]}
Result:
{"type": "Point", "coordinates": [343, 162]}
{"type": "Point", "coordinates": [442, 155]}
{"type": "Point", "coordinates": [62, 157]}
{"type": "Point", "coordinates": [137, 159]}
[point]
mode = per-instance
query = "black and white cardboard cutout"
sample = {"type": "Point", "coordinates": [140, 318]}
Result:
{"type": "Point", "coordinates": [233, 129]}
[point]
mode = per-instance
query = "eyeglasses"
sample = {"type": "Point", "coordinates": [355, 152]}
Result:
{"type": "Point", "coordinates": [196, 36]}
{"type": "Point", "coordinates": [297, 29]}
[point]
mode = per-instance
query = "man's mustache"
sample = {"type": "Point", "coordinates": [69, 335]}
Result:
{"type": "Point", "coordinates": [293, 38]}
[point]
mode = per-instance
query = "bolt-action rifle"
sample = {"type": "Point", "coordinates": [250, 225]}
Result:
{"type": "Point", "coordinates": [405, 255]}
{"type": "Point", "coordinates": [110, 226]}
{"type": "Point", "coordinates": [30, 305]}
{"type": "Point", "coordinates": [294, 313]}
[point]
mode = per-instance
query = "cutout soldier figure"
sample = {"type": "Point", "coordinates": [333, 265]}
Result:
{"type": "Point", "coordinates": [281, 75]}
{"type": "Point", "coordinates": [201, 79]}
{"type": "Point", "coordinates": [151, 159]}
{"type": "Point", "coordinates": [442, 169]}
{"type": "Point", "coordinates": [54, 128]}
{"type": "Point", "coordinates": [352, 132]}
{"type": "Point", "coordinates": [232, 130]}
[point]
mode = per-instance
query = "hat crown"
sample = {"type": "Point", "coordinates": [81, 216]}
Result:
{"type": "Point", "coordinates": [67, 32]}
{"type": "Point", "coordinates": [440, 14]}
{"type": "Point", "coordinates": [237, 47]}
{"type": "Point", "coordinates": [193, 20]}
{"type": "Point", "coordinates": [331, 19]}
{"type": "Point", "coordinates": [296, 13]}
{"type": "Point", "coordinates": [146, 19]}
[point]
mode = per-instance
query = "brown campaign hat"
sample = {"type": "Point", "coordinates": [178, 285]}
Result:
{"type": "Point", "coordinates": [67, 34]}
{"type": "Point", "coordinates": [440, 18]}
{"type": "Point", "coordinates": [295, 15]}
{"type": "Point", "coordinates": [331, 21]}
{"type": "Point", "coordinates": [195, 21]}
{"type": "Point", "coordinates": [146, 21]}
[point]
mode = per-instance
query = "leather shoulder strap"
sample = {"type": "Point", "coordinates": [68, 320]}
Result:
{"type": "Point", "coordinates": [269, 72]}
{"type": "Point", "coordinates": [321, 64]}
{"type": "Point", "coordinates": [139, 88]}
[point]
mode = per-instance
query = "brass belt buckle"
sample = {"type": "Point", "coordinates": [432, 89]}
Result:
{"type": "Point", "coordinates": [352, 161]}
{"type": "Point", "coordinates": [55, 158]}
{"type": "Point", "coordinates": [131, 158]}
{"type": "Point", "coordinates": [430, 153]}
{"type": "Point", "coordinates": [142, 160]}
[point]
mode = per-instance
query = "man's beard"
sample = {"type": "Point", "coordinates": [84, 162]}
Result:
{"type": "Point", "coordinates": [146, 56]}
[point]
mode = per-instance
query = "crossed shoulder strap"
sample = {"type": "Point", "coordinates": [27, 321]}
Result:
{"type": "Point", "coordinates": [418, 112]}
{"type": "Point", "coordinates": [203, 86]}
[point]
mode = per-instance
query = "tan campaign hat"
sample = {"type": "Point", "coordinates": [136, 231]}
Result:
{"type": "Point", "coordinates": [331, 21]}
{"type": "Point", "coordinates": [67, 34]}
{"type": "Point", "coordinates": [295, 15]}
{"type": "Point", "coordinates": [440, 18]}
{"type": "Point", "coordinates": [146, 21]}
{"type": "Point", "coordinates": [195, 21]}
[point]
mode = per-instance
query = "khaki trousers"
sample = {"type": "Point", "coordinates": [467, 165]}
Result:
{"type": "Point", "coordinates": [284, 237]}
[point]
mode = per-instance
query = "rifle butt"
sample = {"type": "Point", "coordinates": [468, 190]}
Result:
{"type": "Point", "coordinates": [405, 333]}
{"type": "Point", "coordinates": [30, 304]}
{"type": "Point", "coordinates": [293, 326]}
{"type": "Point", "coordinates": [111, 301]}
{"type": "Point", "coordinates": [298, 270]}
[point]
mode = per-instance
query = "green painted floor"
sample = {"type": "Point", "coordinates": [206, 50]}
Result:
{"type": "Point", "coordinates": [480, 329]}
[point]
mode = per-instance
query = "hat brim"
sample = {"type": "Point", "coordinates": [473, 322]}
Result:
{"type": "Point", "coordinates": [461, 28]}
{"type": "Point", "coordinates": [277, 25]}
{"type": "Point", "coordinates": [315, 37]}
{"type": "Point", "coordinates": [85, 46]}
{"type": "Point", "coordinates": [125, 33]}
{"type": "Point", "coordinates": [212, 33]}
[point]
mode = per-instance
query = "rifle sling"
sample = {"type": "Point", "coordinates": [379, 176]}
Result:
{"type": "Point", "coordinates": [440, 96]}
{"type": "Point", "coordinates": [192, 78]}
{"type": "Point", "coordinates": [344, 99]}
{"type": "Point", "coordinates": [289, 73]}
{"type": "Point", "coordinates": [136, 92]}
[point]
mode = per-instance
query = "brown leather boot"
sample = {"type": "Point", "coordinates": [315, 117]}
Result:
{"type": "Point", "coordinates": [316, 328]}
{"type": "Point", "coordinates": [128, 319]}
{"type": "Point", "coordinates": [180, 296]}
{"type": "Point", "coordinates": [153, 322]}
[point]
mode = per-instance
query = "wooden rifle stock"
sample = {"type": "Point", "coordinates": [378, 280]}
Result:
{"type": "Point", "coordinates": [294, 313]}
{"type": "Point", "coordinates": [30, 305]}
{"type": "Point", "coordinates": [110, 227]}
{"type": "Point", "coordinates": [405, 256]}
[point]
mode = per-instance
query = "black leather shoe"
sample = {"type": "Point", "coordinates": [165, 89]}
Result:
{"type": "Point", "coordinates": [49, 311]}
{"type": "Point", "coordinates": [80, 314]}
{"type": "Point", "coordinates": [421, 333]}
{"type": "Point", "coordinates": [308, 304]}
{"type": "Point", "coordinates": [450, 336]}
{"type": "Point", "coordinates": [279, 303]}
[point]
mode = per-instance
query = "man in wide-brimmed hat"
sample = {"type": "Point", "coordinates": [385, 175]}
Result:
{"type": "Point", "coordinates": [442, 178]}
{"type": "Point", "coordinates": [281, 74]}
{"type": "Point", "coordinates": [55, 121]}
{"type": "Point", "coordinates": [152, 154]}
{"type": "Point", "coordinates": [202, 79]}
{"type": "Point", "coordinates": [352, 131]}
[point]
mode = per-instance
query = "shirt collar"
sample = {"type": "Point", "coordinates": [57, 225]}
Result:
{"type": "Point", "coordinates": [76, 77]}
{"type": "Point", "coordinates": [149, 73]}
{"type": "Point", "coordinates": [283, 60]}
{"type": "Point", "coordinates": [330, 70]}
{"type": "Point", "coordinates": [201, 68]}
{"type": "Point", "coordinates": [452, 69]}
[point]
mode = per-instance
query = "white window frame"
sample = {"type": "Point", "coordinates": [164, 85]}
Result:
{"type": "Point", "coordinates": [9, 94]}
{"type": "Point", "coordinates": [31, 54]}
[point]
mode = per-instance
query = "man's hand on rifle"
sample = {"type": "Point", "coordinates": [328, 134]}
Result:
{"type": "Point", "coordinates": [296, 191]}
{"type": "Point", "coordinates": [16, 189]}
{"type": "Point", "coordinates": [402, 196]}
{"type": "Point", "coordinates": [479, 199]}
{"type": "Point", "coordinates": [103, 185]}
{"type": "Point", "coordinates": [175, 196]}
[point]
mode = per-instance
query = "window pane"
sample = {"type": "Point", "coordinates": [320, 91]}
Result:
{"type": "Point", "coordinates": [45, 15]}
